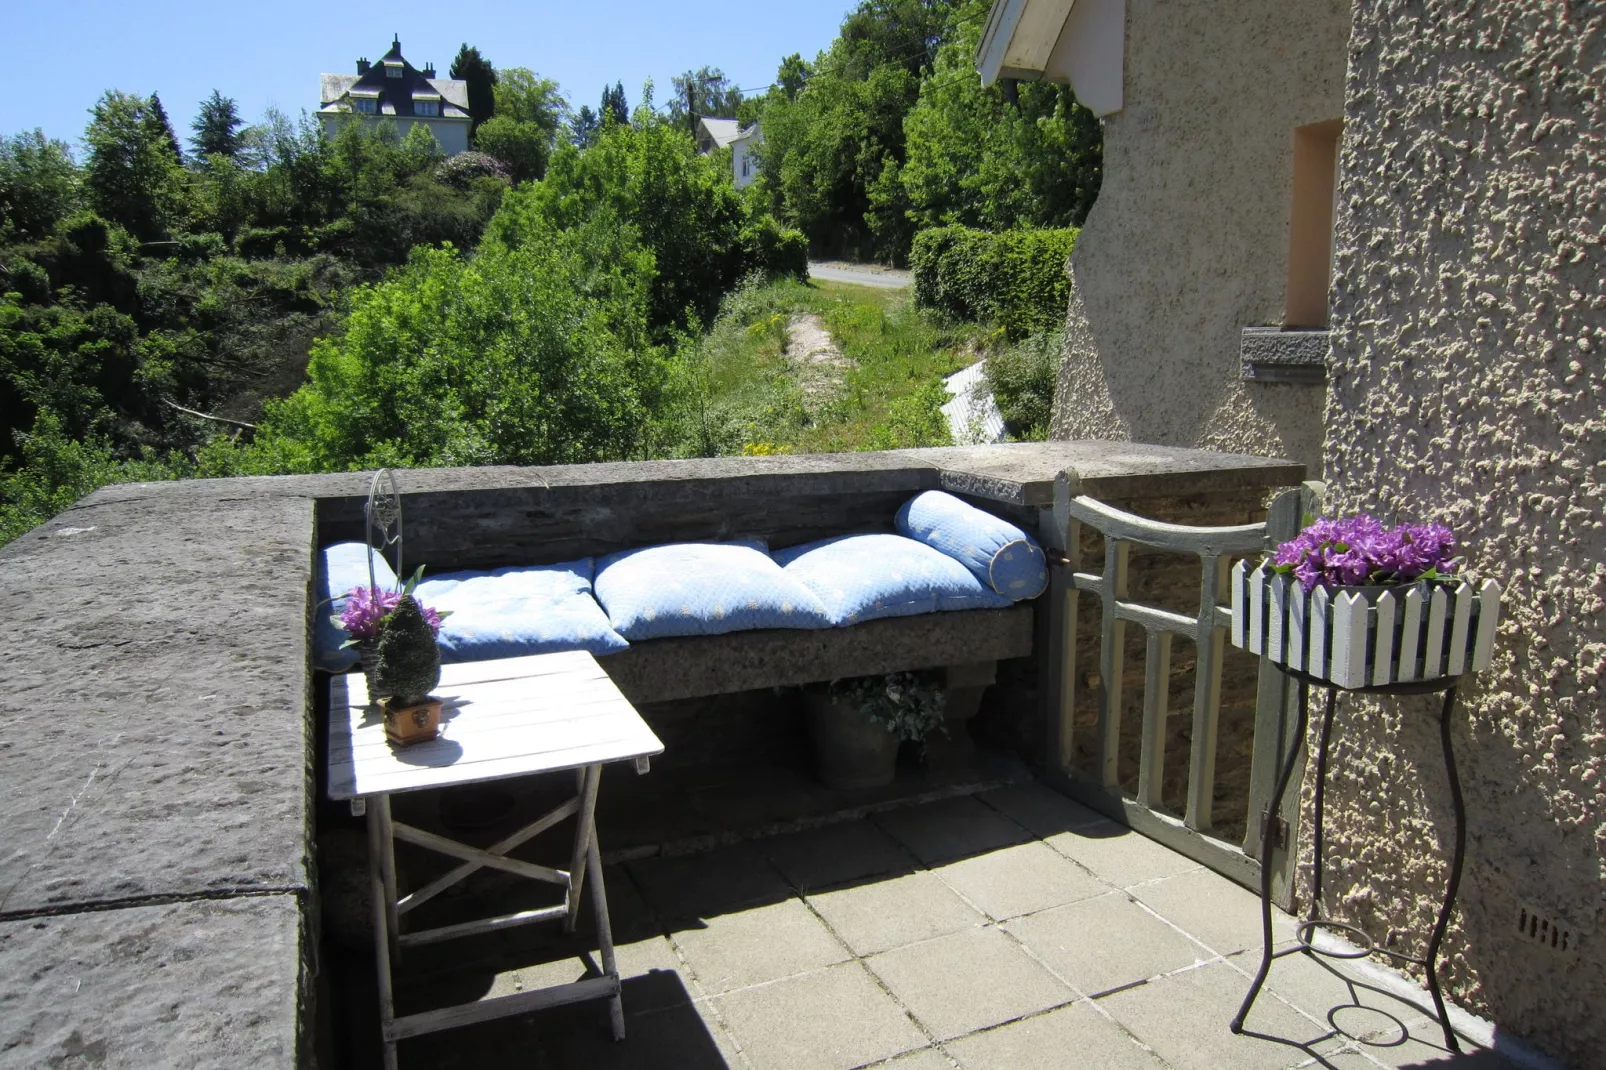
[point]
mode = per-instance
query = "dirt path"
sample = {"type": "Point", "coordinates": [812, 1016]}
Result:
{"type": "Point", "coordinates": [817, 364]}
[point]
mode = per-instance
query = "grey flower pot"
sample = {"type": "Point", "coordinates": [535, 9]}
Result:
{"type": "Point", "coordinates": [851, 751]}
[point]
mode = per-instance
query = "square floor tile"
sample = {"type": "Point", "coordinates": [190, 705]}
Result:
{"type": "Point", "coordinates": [1040, 808]}
{"type": "Point", "coordinates": [1104, 943]}
{"type": "Point", "coordinates": [951, 828]}
{"type": "Point", "coordinates": [1119, 855]}
{"type": "Point", "coordinates": [649, 971]}
{"type": "Point", "coordinates": [967, 981]}
{"type": "Point", "coordinates": [1184, 1017]}
{"type": "Point", "coordinates": [1330, 991]}
{"type": "Point", "coordinates": [1223, 916]}
{"type": "Point", "coordinates": [1077, 1037]}
{"type": "Point", "coordinates": [760, 944]}
{"type": "Point", "coordinates": [834, 1019]}
{"type": "Point", "coordinates": [703, 885]}
{"type": "Point", "coordinates": [881, 915]}
{"type": "Point", "coordinates": [685, 1037]}
{"type": "Point", "coordinates": [1012, 881]}
{"type": "Point", "coordinates": [835, 854]}
{"type": "Point", "coordinates": [928, 1059]}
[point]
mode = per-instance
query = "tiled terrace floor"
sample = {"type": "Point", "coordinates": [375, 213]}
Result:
{"type": "Point", "coordinates": [1012, 930]}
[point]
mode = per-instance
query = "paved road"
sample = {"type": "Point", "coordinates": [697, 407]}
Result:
{"type": "Point", "coordinates": [859, 274]}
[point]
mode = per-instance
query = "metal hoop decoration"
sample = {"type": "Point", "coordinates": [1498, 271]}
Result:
{"type": "Point", "coordinates": [383, 516]}
{"type": "Point", "coordinates": [1365, 944]}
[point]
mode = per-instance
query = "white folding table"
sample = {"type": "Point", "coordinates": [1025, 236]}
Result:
{"type": "Point", "coordinates": [509, 717]}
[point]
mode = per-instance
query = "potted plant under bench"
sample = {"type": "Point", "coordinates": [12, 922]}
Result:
{"type": "Point", "coordinates": [857, 725]}
{"type": "Point", "coordinates": [1349, 605]}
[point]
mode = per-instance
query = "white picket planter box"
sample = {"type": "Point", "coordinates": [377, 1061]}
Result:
{"type": "Point", "coordinates": [1364, 636]}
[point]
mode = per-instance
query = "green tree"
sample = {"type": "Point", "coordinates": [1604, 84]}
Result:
{"type": "Point", "coordinates": [534, 354]}
{"type": "Point", "coordinates": [700, 93]}
{"type": "Point", "coordinates": [647, 175]}
{"type": "Point", "coordinates": [614, 104]}
{"type": "Point", "coordinates": [793, 76]}
{"type": "Point", "coordinates": [523, 148]}
{"type": "Point", "coordinates": [216, 127]}
{"type": "Point", "coordinates": [584, 126]}
{"type": "Point", "coordinates": [132, 176]}
{"type": "Point", "coordinates": [978, 158]}
{"type": "Point", "coordinates": [476, 70]}
{"type": "Point", "coordinates": [529, 113]}
{"type": "Point", "coordinates": [39, 185]}
{"type": "Point", "coordinates": [162, 127]}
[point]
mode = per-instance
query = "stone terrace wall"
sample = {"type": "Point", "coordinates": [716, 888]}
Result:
{"type": "Point", "coordinates": [1470, 312]}
{"type": "Point", "coordinates": [156, 729]}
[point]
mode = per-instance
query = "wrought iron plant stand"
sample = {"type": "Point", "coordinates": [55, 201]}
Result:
{"type": "Point", "coordinates": [1411, 641]}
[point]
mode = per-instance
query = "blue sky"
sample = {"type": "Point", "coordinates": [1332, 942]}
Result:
{"type": "Point", "coordinates": [66, 52]}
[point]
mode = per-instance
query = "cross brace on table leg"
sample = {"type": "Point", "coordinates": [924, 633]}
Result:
{"type": "Point", "coordinates": [500, 847]}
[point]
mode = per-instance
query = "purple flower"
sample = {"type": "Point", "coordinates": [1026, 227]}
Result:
{"type": "Point", "coordinates": [1337, 553]}
{"type": "Point", "coordinates": [367, 607]}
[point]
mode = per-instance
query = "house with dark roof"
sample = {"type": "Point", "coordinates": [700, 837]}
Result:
{"type": "Point", "coordinates": [396, 90]}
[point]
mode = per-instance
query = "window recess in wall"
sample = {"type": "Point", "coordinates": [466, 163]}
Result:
{"type": "Point", "coordinates": [1296, 351]}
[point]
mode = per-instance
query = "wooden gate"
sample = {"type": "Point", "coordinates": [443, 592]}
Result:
{"type": "Point", "coordinates": [1192, 832]}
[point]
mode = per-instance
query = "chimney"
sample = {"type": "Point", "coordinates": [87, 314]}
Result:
{"type": "Point", "coordinates": [362, 67]}
{"type": "Point", "coordinates": [429, 70]}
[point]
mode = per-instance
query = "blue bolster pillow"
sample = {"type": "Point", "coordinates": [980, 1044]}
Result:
{"type": "Point", "coordinates": [996, 552]}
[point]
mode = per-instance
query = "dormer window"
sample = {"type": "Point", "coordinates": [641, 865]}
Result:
{"type": "Point", "coordinates": [429, 108]}
{"type": "Point", "coordinates": [367, 103]}
{"type": "Point", "coordinates": [393, 69]}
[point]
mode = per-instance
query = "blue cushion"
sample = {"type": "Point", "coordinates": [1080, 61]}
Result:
{"type": "Point", "coordinates": [511, 612]}
{"type": "Point", "coordinates": [702, 588]}
{"type": "Point", "coordinates": [995, 551]}
{"type": "Point", "coordinates": [862, 577]}
{"type": "Point", "coordinates": [342, 567]}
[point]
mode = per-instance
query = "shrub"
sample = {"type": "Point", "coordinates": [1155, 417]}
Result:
{"type": "Point", "coordinates": [774, 250]}
{"type": "Point", "coordinates": [1014, 279]}
{"type": "Point", "coordinates": [1022, 380]}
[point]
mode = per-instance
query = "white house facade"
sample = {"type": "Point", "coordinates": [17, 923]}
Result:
{"type": "Point", "coordinates": [744, 164]}
{"type": "Point", "coordinates": [394, 89]}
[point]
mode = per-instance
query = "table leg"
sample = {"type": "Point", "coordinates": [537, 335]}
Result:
{"type": "Point", "coordinates": [1456, 861]}
{"type": "Point", "coordinates": [599, 903]}
{"type": "Point", "coordinates": [590, 779]}
{"type": "Point", "coordinates": [1267, 837]}
{"type": "Point", "coordinates": [379, 849]}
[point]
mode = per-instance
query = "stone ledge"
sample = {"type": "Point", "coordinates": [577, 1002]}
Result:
{"type": "Point", "coordinates": [1279, 355]}
{"type": "Point", "coordinates": [211, 983]}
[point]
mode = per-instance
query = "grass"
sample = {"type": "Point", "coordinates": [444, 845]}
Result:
{"type": "Point", "coordinates": [746, 398]}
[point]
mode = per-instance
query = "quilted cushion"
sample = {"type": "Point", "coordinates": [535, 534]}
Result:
{"type": "Point", "coordinates": [511, 612]}
{"type": "Point", "coordinates": [996, 552]}
{"type": "Point", "coordinates": [702, 588]}
{"type": "Point", "coordinates": [342, 567]}
{"type": "Point", "coordinates": [862, 577]}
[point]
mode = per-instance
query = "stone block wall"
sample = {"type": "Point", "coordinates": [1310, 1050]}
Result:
{"type": "Point", "coordinates": [1467, 387]}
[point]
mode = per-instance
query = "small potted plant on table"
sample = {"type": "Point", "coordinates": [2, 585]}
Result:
{"type": "Point", "coordinates": [408, 668]}
{"type": "Point", "coordinates": [857, 725]}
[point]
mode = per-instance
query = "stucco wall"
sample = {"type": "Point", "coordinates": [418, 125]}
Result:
{"type": "Point", "coordinates": [1470, 322]}
{"type": "Point", "coordinates": [1188, 243]}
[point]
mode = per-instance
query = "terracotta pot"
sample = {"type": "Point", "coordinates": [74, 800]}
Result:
{"type": "Point", "coordinates": [406, 725]}
{"type": "Point", "coordinates": [850, 750]}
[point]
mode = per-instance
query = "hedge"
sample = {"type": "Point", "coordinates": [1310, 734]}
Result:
{"type": "Point", "coordinates": [1015, 279]}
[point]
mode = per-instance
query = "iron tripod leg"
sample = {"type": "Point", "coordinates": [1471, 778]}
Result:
{"type": "Point", "coordinates": [1456, 860]}
{"type": "Point", "coordinates": [1436, 939]}
{"type": "Point", "coordinates": [1268, 832]}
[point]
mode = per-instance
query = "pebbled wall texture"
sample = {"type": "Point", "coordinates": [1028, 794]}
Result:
{"type": "Point", "coordinates": [1188, 243]}
{"type": "Point", "coordinates": [1468, 387]}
